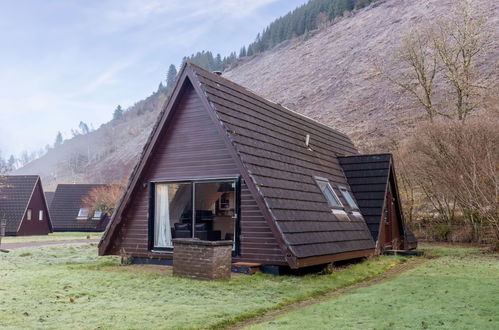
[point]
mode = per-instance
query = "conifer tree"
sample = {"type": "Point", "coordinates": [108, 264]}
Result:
{"type": "Point", "coordinates": [58, 141]}
{"type": "Point", "coordinates": [171, 76]}
{"type": "Point", "coordinates": [118, 113]}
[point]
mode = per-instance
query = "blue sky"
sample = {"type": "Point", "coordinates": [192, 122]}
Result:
{"type": "Point", "coordinates": [62, 61]}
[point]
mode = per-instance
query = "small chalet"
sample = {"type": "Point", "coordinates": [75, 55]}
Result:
{"type": "Point", "coordinates": [373, 183]}
{"type": "Point", "coordinates": [225, 164]}
{"type": "Point", "coordinates": [69, 212]}
{"type": "Point", "coordinates": [23, 205]}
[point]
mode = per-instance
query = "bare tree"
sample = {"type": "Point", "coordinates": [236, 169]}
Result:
{"type": "Point", "coordinates": [452, 48]}
{"type": "Point", "coordinates": [461, 40]}
{"type": "Point", "coordinates": [420, 63]}
{"type": "Point", "coordinates": [104, 199]}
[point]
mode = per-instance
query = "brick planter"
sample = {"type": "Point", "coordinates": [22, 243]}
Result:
{"type": "Point", "coordinates": [202, 260]}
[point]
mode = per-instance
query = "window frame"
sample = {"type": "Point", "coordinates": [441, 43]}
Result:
{"type": "Point", "coordinates": [29, 214]}
{"type": "Point", "coordinates": [82, 217]}
{"type": "Point", "coordinates": [40, 215]}
{"type": "Point", "coordinates": [192, 182]}
{"type": "Point", "coordinates": [330, 188]}
{"type": "Point", "coordinates": [100, 215]}
{"type": "Point", "coordinates": [344, 190]}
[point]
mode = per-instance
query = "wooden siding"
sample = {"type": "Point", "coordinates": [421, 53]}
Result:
{"type": "Point", "coordinates": [190, 147]}
{"type": "Point", "coordinates": [36, 226]}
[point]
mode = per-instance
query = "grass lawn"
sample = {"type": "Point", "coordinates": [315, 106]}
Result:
{"type": "Point", "coordinates": [38, 284]}
{"type": "Point", "coordinates": [61, 236]}
{"type": "Point", "coordinates": [459, 290]}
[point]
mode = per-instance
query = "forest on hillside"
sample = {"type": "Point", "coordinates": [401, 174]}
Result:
{"type": "Point", "coordinates": [313, 15]}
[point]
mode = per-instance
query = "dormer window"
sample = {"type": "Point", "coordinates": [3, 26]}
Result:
{"type": "Point", "coordinates": [82, 214]}
{"type": "Point", "coordinates": [97, 215]}
{"type": "Point", "coordinates": [328, 192]}
{"type": "Point", "coordinates": [348, 197]}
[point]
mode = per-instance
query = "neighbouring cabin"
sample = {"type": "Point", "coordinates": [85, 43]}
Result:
{"type": "Point", "coordinates": [373, 182]}
{"type": "Point", "coordinates": [23, 205]}
{"type": "Point", "coordinates": [225, 164]}
{"type": "Point", "coordinates": [69, 213]}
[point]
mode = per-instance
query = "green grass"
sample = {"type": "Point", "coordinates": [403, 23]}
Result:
{"type": "Point", "coordinates": [62, 236]}
{"type": "Point", "coordinates": [458, 290]}
{"type": "Point", "coordinates": [36, 285]}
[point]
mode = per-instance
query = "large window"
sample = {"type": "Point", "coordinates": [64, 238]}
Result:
{"type": "Point", "coordinates": [200, 209]}
{"type": "Point", "coordinates": [328, 192]}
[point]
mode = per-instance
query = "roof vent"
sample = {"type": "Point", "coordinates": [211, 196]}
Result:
{"type": "Point", "coordinates": [218, 73]}
{"type": "Point", "coordinates": [307, 142]}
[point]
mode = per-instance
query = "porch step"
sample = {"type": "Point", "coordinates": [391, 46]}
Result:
{"type": "Point", "coordinates": [403, 253]}
{"type": "Point", "coordinates": [249, 268]}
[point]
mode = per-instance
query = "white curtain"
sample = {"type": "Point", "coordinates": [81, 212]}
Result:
{"type": "Point", "coordinates": [162, 232]}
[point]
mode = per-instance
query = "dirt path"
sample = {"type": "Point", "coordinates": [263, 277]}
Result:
{"type": "Point", "coordinates": [412, 263]}
{"type": "Point", "coordinates": [10, 246]}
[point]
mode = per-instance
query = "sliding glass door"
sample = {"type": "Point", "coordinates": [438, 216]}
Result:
{"type": "Point", "coordinates": [204, 209]}
{"type": "Point", "coordinates": [215, 207]}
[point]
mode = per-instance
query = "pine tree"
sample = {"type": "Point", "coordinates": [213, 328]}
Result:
{"type": "Point", "coordinates": [118, 113]}
{"type": "Point", "coordinates": [242, 52]}
{"type": "Point", "coordinates": [83, 128]}
{"type": "Point", "coordinates": [171, 76]}
{"type": "Point", "coordinates": [58, 141]}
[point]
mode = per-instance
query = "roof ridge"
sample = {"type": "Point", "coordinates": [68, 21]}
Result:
{"type": "Point", "coordinates": [329, 128]}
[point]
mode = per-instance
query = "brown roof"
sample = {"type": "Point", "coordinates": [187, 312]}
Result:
{"type": "Point", "coordinates": [66, 204]}
{"type": "Point", "coordinates": [15, 194]}
{"type": "Point", "coordinates": [268, 142]}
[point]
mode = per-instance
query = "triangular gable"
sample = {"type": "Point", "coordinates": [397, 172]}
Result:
{"type": "Point", "coordinates": [268, 143]}
{"type": "Point", "coordinates": [36, 227]}
{"type": "Point", "coordinates": [15, 194]}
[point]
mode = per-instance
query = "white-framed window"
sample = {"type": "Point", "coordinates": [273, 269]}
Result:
{"type": "Point", "coordinates": [97, 215]}
{"type": "Point", "coordinates": [40, 215]}
{"type": "Point", "coordinates": [348, 197]}
{"type": "Point", "coordinates": [28, 214]}
{"type": "Point", "coordinates": [328, 192]}
{"type": "Point", "coordinates": [83, 214]}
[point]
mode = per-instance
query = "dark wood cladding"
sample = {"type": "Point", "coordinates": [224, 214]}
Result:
{"type": "Point", "coordinates": [35, 226]}
{"type": "Point", "coordinates": [191, 148]}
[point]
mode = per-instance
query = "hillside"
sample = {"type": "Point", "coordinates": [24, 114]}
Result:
{"type": "Point", "coordinates": [329, 77]}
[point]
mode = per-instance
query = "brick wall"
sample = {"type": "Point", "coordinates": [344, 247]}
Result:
{"type": "Point", "coordinates": [203, 260]}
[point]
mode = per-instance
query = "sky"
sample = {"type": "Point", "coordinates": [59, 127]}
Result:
{"type": "Point", "coordinates": [66, 61]}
